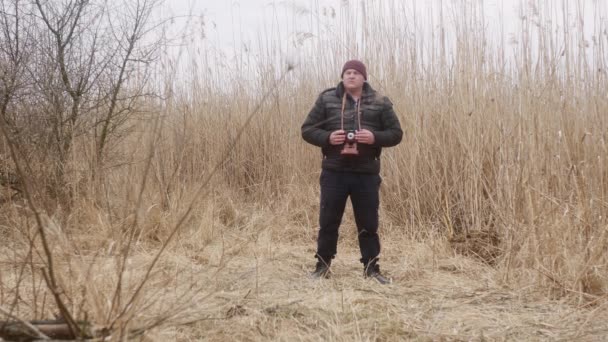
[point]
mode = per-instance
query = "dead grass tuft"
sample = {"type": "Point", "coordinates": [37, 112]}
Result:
{"type": "Point", "coordinates": [483, 245]}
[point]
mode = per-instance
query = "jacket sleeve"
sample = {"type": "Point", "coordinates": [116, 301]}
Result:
{"type": "Point", "coordinates": [392, 134]}
{"type": "Point", "coordinates": [311, 129]}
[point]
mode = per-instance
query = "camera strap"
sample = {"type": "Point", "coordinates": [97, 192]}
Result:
{"type": "Point", "coordinates": [357, 105]}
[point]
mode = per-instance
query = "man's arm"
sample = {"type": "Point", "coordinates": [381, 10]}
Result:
{"type": "Point", "coordinates": [391, 134]}
{"type": "Point", "coordinates": [310, 129]}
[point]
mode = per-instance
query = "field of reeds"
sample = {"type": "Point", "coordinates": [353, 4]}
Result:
{"type": "Point", "coordinates": [185, 206]}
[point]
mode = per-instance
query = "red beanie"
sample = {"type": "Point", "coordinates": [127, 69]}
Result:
{"type": "Point", "coordinates": [357, 65]}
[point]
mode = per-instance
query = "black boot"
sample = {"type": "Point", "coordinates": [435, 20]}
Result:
{"type": "Point", "coordinates": [373, 271]}
{"type": "Point", "coordinates": [321, 270]}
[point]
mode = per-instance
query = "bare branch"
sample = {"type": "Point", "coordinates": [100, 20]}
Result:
{"type": "Point", "coordinates": [52, 283]}
{"type": "Point", "coordinates": [80, 5]}
{"type": "Point", "coordinates": [197, 195]}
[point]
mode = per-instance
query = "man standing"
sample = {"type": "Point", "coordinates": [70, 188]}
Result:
{"type": "Point", "coordinates": [351, 123]}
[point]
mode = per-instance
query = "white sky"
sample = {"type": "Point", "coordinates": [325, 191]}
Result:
{"type": "Point", "coordinates": [230, 23]}
{"type": "Point", "coordinates": [233, 25]}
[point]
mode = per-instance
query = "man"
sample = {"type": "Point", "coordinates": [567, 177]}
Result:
{"type": "Point", "coordinates": [351, 123]}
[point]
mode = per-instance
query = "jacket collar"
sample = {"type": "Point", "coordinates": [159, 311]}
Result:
{"type": "Point", "coordinates": [367, 93]}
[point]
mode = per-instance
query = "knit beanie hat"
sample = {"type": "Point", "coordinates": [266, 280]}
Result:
{"type": "Point", "coordinates": [357, 65]}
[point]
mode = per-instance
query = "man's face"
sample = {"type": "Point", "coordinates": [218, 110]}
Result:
{"type": "Point", "coordinates": [352, 79]}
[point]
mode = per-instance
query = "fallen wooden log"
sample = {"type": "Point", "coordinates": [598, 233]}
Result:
{"type": "Point", "coordinates": [54, 329]}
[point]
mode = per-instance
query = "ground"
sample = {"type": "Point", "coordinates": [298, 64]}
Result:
{"type": "Point", "coordinates": [252, 284]}
{"type": "Point", "coordinates": [433, 297]}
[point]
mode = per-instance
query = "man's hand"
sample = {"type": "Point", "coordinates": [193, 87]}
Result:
{"type": "Point", "coordinates": [337, 137]}
{"type": "Point", "coordinates": [365, 136]}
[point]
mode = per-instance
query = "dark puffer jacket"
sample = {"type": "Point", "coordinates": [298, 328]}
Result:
{"type": "Point", "coordinates": [377, 115]}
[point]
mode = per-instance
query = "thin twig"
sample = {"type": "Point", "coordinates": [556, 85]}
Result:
{"type": "Point", "coordinates": [197, 195]}
{"type": "Point", "coordinates": [52, 280]}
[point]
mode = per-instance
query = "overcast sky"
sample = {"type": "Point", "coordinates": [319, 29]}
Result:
{"type": "Point", "coordinates": [233, 22]}
{"type": "Point", "coordinates": [231, 25]}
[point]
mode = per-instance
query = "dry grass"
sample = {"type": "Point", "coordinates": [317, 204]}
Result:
{"type": "Point", "coordinates": [494, 208]}
{"type": "Point", "coordinates": [450, 302]}
{"type": "Point", "coordinates": [251, 284]}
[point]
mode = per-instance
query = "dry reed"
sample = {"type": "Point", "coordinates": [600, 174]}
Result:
{"type": "Point", "coordinates": [503, 161]}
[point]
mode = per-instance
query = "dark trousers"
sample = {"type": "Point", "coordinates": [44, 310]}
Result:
{"type": "Point", "coordinates": [363, 190]}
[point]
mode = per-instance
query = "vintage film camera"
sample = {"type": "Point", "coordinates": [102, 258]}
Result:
{"type": "Point", "coordinates": [350, 144]}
